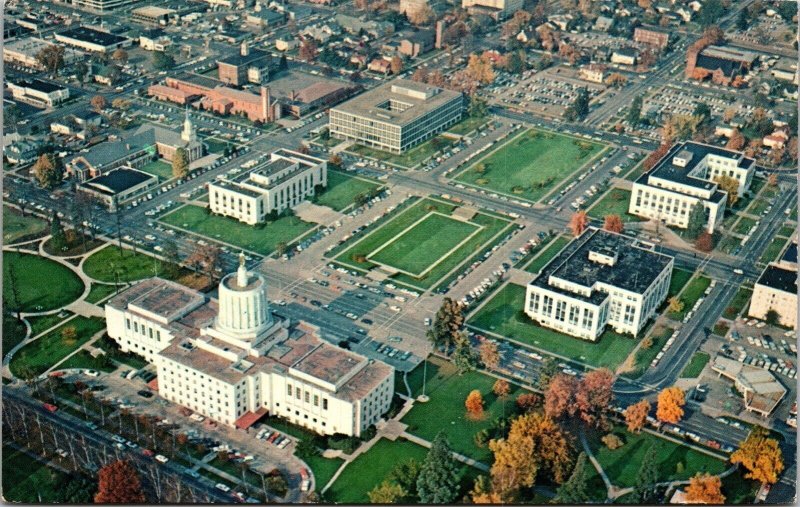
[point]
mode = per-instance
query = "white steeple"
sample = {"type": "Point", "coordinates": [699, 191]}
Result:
{"type": "Point", "coordinates": [188, 134]}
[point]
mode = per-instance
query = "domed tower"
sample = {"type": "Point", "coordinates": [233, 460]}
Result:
{"type": "Point", "coordinates": [243, 308]}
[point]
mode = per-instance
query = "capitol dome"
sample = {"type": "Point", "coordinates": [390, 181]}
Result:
{"type": "Point", "coordinates": [243, 307]}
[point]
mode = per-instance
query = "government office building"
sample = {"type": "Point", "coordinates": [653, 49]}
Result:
{"type": "Point", "coordinates": [284, 181]}
{"type": "Point", "coordinates": [600, 279]}
{"type": "Point", "coordinates": [684, 177]}
{"type": "Point", "coordinates": [233, 361]}
{"type": "Point", "coordinates": [397, 115]}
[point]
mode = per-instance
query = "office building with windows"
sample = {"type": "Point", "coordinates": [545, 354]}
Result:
{"type": "Point", "coordinates": [233, 361]}
{"type": "Point", "coordinates": [685, 176]}
{"type": "Point", "coordinates": [283, 181]}
{"type": "Point", "coordinates": [601, 279]}
{"type": "Point", "coordinates": [397, 115]}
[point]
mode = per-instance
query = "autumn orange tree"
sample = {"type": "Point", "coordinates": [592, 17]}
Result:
{"type": "Point", "coordinates": [594, 395]}
{"type": "Point", "coordinates": [118, 482]}
{"type": "Point", "coordinates": [490, 356]}
{"type": "Point", "coordinates": [670, 405]}
{"type": "Point", "coordinates": [578, 223]}
{"type": "Point", "coordinates": [736, 141]}
{"type": "Point", "coordinates": [559, 399]}
{"type": "Point", "coordinates": [527, 402]}
{"type": "Point", "coordinates": [636, 415]}
{"type": "Point", "coordinates": [613, 223]}
{"type": "Point", "coordinates": [474, 404]}
{"type": "Point", "coordinates": [655, 156]}
{"type": "Point", "coordinates": [760, 456]}
{"type": "Point", "coordinates": [501, 388]}
{"type": "Point", "coordinates": [705, 489]}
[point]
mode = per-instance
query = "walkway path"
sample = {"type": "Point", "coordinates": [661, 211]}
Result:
{"type": "Point", "coordinates": [610, 488]}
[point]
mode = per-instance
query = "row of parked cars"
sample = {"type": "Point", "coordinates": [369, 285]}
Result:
{"type": "Point", "coordinates": [274, 438]}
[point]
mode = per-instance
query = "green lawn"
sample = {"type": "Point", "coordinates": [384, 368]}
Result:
{"type": "Point", "coordinates": [546, 255]}
{"type": "Point", "coordinates": [530, 164]}
{"type": "Point", "coordinates": [13, 332]}
{"type": "Point", "coordinates": [744, 225]}
{"type": "Point", "coordinates": [84, 360]}
{"type": "Point", "coordinates": [786, 231]}
{"type": "Point", "coordinates": [100, 291]}
{"type": "Point", "coordinates": [623, 464]}
{"type": "Point", "coordinates": [680, 277]}
{"type": "Point", "coordinates": [323, 469]}
{"type": "Point", "coordinates": [615, 202]}
{"type": "Point", "coordinates": [27, 480]}
{"type": "Point", "coordinates": [342, 190]}
{"type": "Point", "coordinates": [158, 168]}
{"type": "Point", "coordinates": [39, 355]}
{"type": "Point", "coordinates": [42, 323]}
{"type": "Point", "coordinates": [738, 490]}
{"type": "Point", "coordinates": [369, 469]}
{"type": "Point", "coordinates": [384, 232]}
{"type": "Point", "coordinates": [758, 207]}
{"type": "Point", "coordinates": [773, 250]}
{"type": "Point", "coordinates": [738, 303]}
{"type": "Point", "coordinates": [445, 410]}
{"type": "Point", "coordinates": [728, 244]}
{"type": "Point", "coordinates": [262, 240]}
{"type": "Point", "coordinates": [408, 159]}
{"type": "Point", "coordinates": [216, 145]}
{"type": "Point", "coordinates": [644, 356]}
{"type": "Point", "coordinates": [693, 291]}
{"type": "Point", "coordinates": [128, 266]}
{"type": "Point", "coordinates": [468, 124]}
{"type": "Point", "coordinates": [29, 280]}
{"type": "Point", "coordinates": [429, 240]}
{"type": "Point", "coordinates": [503, 315]}
{"type": "Point", "coordinates": [17, 227]}
{"type": "Point", "coordinates": [695, 367]}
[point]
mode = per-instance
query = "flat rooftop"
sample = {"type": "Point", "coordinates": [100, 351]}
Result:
{"type": "Point", "coordinates": [778, 278]}
{"type": "Point", "coordinates": [40, 86]}
{"type": "Point", "coordinates": [152, 11]}
{"type": "Point", "coordinates": [329, 363]}
{"type": "Point", "coordinates": [667, 169]}
{"type": "Point", "coordinates": [398, 102]}
{"type": "Point", "coordinates": [634, 267]}
{"type": "Point", "coordinates": [169, 300]}
{"type": "Point", "coordinates": [118, 180]}
{"type": "Point", "coordinates": [86, 34]}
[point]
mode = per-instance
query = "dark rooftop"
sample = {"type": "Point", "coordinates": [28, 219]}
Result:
{"type": "Point", "coordinates": [238, 59]}
{"type": "Point", "coordinates": [39, 85]}
{"type": "Point", "coordinates": [86, 34]}
{"type": "Point", "coordinates": [779, 278]}
{"type": "Point", "coordinates": [790, 255]}
{"type": "Point", "coordinates": [634, 268]}
{"type": "Point", "coordinates": [118, 180]}
{"type": "Point", "coordinates": [729, 67]}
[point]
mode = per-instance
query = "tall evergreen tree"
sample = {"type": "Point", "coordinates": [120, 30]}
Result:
{"type": "Point", "coordinates": [59, 238]}
{"type": "Point", "coordinates": [438, 478]}
{"type": "Point", "coordinates": [646, 479]}
{"type": "Point", "coordinates": [447, 324]}
{"type": "Point", "coordinates": [697, 221]}
{"type": "Point", "coordinates": [574, 491]}
{"type": "Point", "coordinates": [464, 357]}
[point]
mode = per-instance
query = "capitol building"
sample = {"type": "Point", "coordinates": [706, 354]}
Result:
{"type": "Point", "coordinates": [233, 361]}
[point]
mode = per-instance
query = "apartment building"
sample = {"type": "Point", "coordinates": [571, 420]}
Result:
{"type": "Point", "coordinates": [684, 177]}
{"type": "Point", "coordinates": [599, 280]}
{"type": "Point", "coordinates": [397, 115]}
{"type": "Point", "coordinates": [776, 289]}
{"type": "Point", "coordinates": [233, 361]}
{"type": "Point", "coordinates": [284, 181]}
{"type": "Point", "coordinates": [497, 9]}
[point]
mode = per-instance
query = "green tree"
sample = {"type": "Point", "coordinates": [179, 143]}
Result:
{"type": "Point", "coordinates": [702, 110]}
{"type": "Point", "coordinates": [643, 487]}
{"type": "Point", "coordinates": [575, 489]}
{"type": "Point", "coordinates": [162, 60]}
{"type": "Point", "coordinates": [477, 107]}
{"type": "Point", "coordinates": [546, 373]}
{"type": "Point", "coordinates": [743, 21]}
{"type": "Point", "coordinates": [579, 107]}
{"type": "Point", "coordinates": [438, 477]}
{"type": "Point", "coordinates": [51, 58]}
{"type": "Point", "coordinates": [515, 62]}
{"type": "Point", "coordinates": [406, 474]}
{"type": "Point", "coordinates": [447, 324]}
{"type": "Point", "coordinates": [711, 12]}
{"type": "Point", "coordinates": [81, 70]}
{"type": "Point", "coordinates": [697, 221]}
{"type": "Point", "coordinates": [464, 356]}
{"type": "Point", "coordinates": [59, 238]}
{"type": "Point", "coordinates": [387, 492]}
{"type": "Point", "coordinates": [180, 163]}
{"type": "Point", "coordinates": [635, 111]}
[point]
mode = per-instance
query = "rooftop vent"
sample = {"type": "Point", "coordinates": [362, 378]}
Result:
{"type": "Point", "coordinates": [187, 345]}
{"type": "Point", "coordinates": [603, 255]}
{"type": "Point", "coordinates": [682, 158]}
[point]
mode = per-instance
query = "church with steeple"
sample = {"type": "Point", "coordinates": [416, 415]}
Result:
{"type": "Point", "coordinates": [167, 141]}
{"type": "Point", "coordinates": [234, 361]}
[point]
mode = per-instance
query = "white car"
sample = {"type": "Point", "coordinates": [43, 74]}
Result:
{"type": "Point", "coordinates": [222, 487]}
{"type": "Point", "coordinates": [161, 458]}
{"type": "Point", "coordinates": [91, 373]}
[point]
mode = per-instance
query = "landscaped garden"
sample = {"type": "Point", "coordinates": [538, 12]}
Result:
{"type": "Point", "coordinates": [445, 411]}
{"type": "Point", "coordinates": [100, 291]}
{"type": "Point", "coordinates": [343, 189]}
{"type": "Point", "coordinates": [615, 202]}
{"type": "Point", "coordinates": [504, 316]}
{"type": "Point", "coordinates": [645, 355]}
{"type": "Point", "coordinates": [772, 251]}
{"type": "Point", "coordinates": [28, 282]}
{"type": "Point", "coordinates": [39, 355]}
{"type": "Point", "coordinates": [531, 164]}
{"type": "Point", "coordinates": [17, 227]}
{"type": "Point", "coordinates": [423, 241]}
{"type": "Point", "coordinates": [691, 293]}
{"type": "Point", "coordinates": [158, 168]}
{"type": "Point", "coordinates": [114, 265]}
{"type": "Point", "coordinates": [738, 303]}
{"type": "Point", "coordinates": [262, 239]}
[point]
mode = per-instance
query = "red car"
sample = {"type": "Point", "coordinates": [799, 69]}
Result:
{"type": "Point", "coordinates": [148, 452]}
{"type": "Point", "coordinates": [49, 407]}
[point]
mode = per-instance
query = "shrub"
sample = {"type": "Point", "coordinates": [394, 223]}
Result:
{"type": "Point", "coordinates": [341, 442]}
{"type": "Point", "coordinates": [612, 441]}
